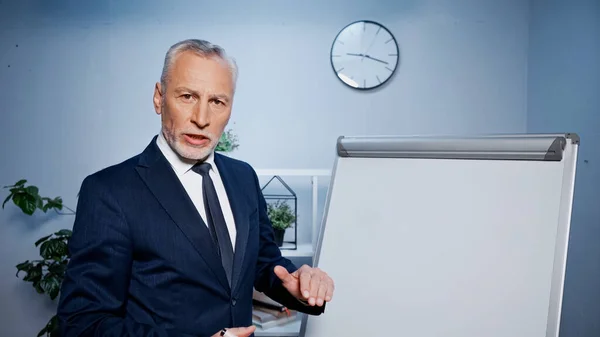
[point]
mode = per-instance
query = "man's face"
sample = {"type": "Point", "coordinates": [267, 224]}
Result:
{"type": "Point", "coordinates": [196, 105]}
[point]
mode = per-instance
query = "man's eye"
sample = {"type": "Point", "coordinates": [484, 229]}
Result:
{"type": "Point", "coordinates": [186, 96]}
{"type": "Point", "coordinates": [218, 102]}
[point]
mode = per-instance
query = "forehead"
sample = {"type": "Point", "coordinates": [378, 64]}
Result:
{"type": "Point", "coordinates": [201, 73]}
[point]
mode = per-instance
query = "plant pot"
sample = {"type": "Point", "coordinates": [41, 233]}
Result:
{"type": "Point", "coordinates": [279, 233]}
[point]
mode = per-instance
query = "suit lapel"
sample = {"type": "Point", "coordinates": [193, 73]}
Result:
{"type": "Point", "coordinates": [156, 172]}
{"type": "Point", "coordinates": [239, 209]}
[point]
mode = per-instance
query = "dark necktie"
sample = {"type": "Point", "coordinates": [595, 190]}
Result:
{"type": "Point", "coordinates": [215, 218]}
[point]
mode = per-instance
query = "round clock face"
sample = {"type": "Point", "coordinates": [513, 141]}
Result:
{"type": "Point", "coordinates": [364, 55]}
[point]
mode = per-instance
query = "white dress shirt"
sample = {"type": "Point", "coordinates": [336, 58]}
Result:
{"type": "Point", "coordinates": [192, 182]}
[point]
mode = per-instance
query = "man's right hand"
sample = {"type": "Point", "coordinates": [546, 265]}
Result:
{"type": "Point", "coordinates": [238, 332]}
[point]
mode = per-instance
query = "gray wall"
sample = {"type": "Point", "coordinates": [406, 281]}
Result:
{"type": "Point", "coordinates": [564, 95]}
{"type": "Point", "coordinates": [76, 92]}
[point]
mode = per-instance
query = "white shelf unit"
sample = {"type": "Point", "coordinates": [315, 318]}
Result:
{"type": "Point", "coordinates": [292, 329]}
{"type": "Point", "coordinates": [303, 250]}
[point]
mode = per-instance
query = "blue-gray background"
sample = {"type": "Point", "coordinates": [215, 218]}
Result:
{"type": "Point", "coordinates": [76, 82]}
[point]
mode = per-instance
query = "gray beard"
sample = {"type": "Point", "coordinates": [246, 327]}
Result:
{"type": "Point", "coordinates": [187, 151]}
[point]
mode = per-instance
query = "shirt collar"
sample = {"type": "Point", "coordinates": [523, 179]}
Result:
{"type": "Point", "coordinates": [180, 165]}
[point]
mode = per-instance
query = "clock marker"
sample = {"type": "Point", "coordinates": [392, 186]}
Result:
{"type": "Point", "coordinates": [389, 40]}
{"type": "Point", "coordinates": [378, 79]}
{"type": "Point", "coordinates": [388, 69]}
{"type": "Point", "coordinates": [337, 71]}
{"type": "Point", "coordinates": [392, 54]}
{"type": "Point", "coordinates": [364, 83]}
{"type": "Point", "coordinates": [378, 29]}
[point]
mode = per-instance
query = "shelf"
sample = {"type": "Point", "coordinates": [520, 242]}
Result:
{"type": "Point", "coordinates": [291, 329]}
{"type": "Point", "coordinates": [293, 172]}
{"type": "Point", "coordinates": [314, 175]}
{"type": "Point", "coordinates": [303, 250]}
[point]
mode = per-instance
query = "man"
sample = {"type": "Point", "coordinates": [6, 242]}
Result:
{"type": "Point", "coordinates": [173, 241]}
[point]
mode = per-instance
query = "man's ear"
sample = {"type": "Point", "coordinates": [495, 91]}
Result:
{"type": "Point", "coordinates": [158, 97]}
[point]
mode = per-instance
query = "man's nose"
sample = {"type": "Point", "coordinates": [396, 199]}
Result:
{"type": "Point", "coordinates": [201, 114]}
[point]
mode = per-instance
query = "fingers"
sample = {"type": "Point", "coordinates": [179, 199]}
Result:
{"type": "Point", "coordinates": [315, 282]}
{"type": "Point", "coordinates": [323, 285]}
{"type": "Point", "coordinates": [314, 285]}
{"type": "Point", "coordinates": [241, 332]}
{"type": "Point", "coordinates": [317, 287]}
{"type": "Point", "coordinates": [305, 282]}
{"type": "Point", "coordinates": [282, 273]}
{"type": "Point", "coordinates": [330, 288]}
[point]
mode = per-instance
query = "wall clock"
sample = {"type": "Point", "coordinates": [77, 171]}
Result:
{"type": "Point", "coordinates": [364, 55]}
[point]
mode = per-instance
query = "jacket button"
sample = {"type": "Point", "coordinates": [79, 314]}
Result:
{"type": "Point", "coordinates": [233, 302]}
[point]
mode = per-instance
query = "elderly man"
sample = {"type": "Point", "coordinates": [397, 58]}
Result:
{"type": "Point", "coordinates": [173, 241]}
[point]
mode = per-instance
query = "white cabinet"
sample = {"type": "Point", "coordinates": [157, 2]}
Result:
{"type": "Point", "coordinates": [304, 249]}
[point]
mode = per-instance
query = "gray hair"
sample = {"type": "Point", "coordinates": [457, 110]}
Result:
{"type": "Point", "coordinates": [202, 48]}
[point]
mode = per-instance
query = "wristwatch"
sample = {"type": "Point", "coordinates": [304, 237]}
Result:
{"type": "Point", "coordinates": [226, 334]}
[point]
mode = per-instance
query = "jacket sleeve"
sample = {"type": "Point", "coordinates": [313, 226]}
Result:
{"type": "Point", "coordinates": [266, 281]}
{"type": "Point", "coordinates": [94, 291]}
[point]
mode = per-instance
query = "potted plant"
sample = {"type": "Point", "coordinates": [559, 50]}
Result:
{"type": "Point", "coordinates": [282, 217]}
{"type": "Point", "coordinates": [228, 142]}
{"type": "Point", "coordinates": [46, 274]}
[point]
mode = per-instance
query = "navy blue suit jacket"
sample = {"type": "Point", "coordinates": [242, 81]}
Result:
{"type": "Point", "coordinates": [142, 261]}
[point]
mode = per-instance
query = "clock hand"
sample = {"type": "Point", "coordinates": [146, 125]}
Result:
{"type": "Point", "coordinates": [367, 56]}
{"type": "Point", "coordinates": [374, 59]}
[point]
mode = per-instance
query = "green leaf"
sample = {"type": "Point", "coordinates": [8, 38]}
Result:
{"type": "Point", "coordinates": [227, 142]}
{"type": "Point", "coordinates": [64, 233]}
{"type": "Point", "coordinates": [43, 332]}
{"type": "Point", "coordinates": [57, 269]}
{"type": "Point", "coordinates": [17, 184]}
{"type": "Point", "coordinates": [53, 203]}
{"type": "Point", "coordinates": [7, 199]}
{"type": "Point", "coordinates": [24, 266]}
{"type": "Point", "coordinates": [17, 196]}
{"type": "Point", "coordinates": [28, 207]}
{"type": "Point", "coordinates": [34, 274]}
{"type": "Point", "coordinates": [51, 328]}
{"type": "Point", "coordinates": [55, 291]}
{"type": "Point", "coordinates": [26, 202]}
{"type": "Point", "coordinates": [39, 203]}
{"type": "Point", "coordinates": [32, 190]}
{"type": "Point", "coordinates": [56, 203]}
{"type": "Point", "coordinates": [37, 243]}
{"type": "Point", "coordinates": [53, 248]}
{"type": "Point", "coordinates": [51, 285]}
{"type": "Point", "coordinates": [37, 287]}
{"type": "Point", "coordinates": [34, 196]}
